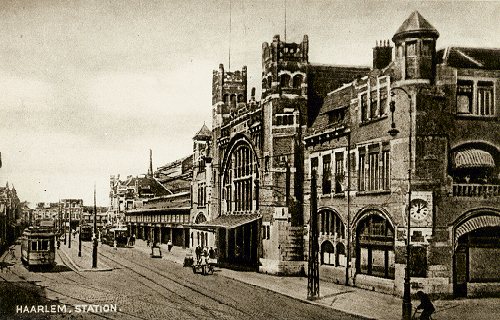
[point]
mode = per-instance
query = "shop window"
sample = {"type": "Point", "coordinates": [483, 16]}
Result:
{"type": "Point", "coordinates": [375, 247]}
{"type": "Point", "coordinates": [340, 256]}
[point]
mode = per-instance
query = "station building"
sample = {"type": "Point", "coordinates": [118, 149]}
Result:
{"type": "Point", "coordinates": [256, 152]}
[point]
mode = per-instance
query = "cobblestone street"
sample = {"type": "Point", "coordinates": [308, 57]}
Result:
{"type": "Point", "coordinates": [145, 288]}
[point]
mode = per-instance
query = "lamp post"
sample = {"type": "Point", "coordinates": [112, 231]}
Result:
{"type": "Point", "coordinates": [69, 234]}
{"type": "Point", "coordinates": [407, 307]}
{"type": "Point", "coordinates": [80, 235]}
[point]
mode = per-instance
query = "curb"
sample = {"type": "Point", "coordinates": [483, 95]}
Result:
{"type": "Point", "coordinates": [313, 302]}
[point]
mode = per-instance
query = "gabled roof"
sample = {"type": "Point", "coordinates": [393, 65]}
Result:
{"type": "Point", "coordinates": [148, 183]}
{"type": "Point", "coordinates": [203, 134]}
{"type": "Point", "coordinates": [470, 58]}
{"type": "Point", "coordinates": [415, 24]}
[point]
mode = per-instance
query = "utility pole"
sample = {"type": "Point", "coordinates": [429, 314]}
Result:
{"type": "Point", "coordinates": [94, 248]}
{"type": "Point", "coordinates": [80, 236]}
{"type": "Point", "coordinates": [313, 266]}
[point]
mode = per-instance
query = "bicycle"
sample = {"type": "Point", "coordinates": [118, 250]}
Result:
{"type": "Point", "coordinates": [417, 313]}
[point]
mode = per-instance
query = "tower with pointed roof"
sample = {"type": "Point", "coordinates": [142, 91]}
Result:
{"type": "Point", "coordinates": [415, 42]}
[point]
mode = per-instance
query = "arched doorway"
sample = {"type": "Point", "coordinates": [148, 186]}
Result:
{"type": "Point", "coordinates": [375, 245]}
{"type": "Point", "coordinates": [476, 240]}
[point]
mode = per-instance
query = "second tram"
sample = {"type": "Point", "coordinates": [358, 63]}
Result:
{"type": "Point", "coordinates": [120, 235]}
{"type": "Point", "coordinates": [86, 232]}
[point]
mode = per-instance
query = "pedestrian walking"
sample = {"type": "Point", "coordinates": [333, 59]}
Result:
{"type": "Point", "coordinates": [211, 253]}
{"type": "Point", "coordinates": [426, 306]}
{"type": "Point", "coordinates": [198, 254]}
{"type": "Point", "coordinates": [169, 245]}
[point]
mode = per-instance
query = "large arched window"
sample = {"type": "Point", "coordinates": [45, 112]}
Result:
{"type": "Point", "coordinates": [200, 218]}
{"type": "Point", "coordinates": [239, 190]}
{"type": "Point", "coordinates": [375, 246]}
{"type": "Point", "coordinates": [331, 224]}
{"type": "Point", "coordinates": [285, 80]}
{"type": "Point", "coordinates": [327, 253]}
{"type": "Point", "coordinates": [297, 81]}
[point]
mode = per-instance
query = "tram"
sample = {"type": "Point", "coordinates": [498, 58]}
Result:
{"type": "Point", "coordinates": [86, 232]}
{"type": "Point", "coordinates": [118, 234]}
{"type": "Point", "coordinates": [38, 247]}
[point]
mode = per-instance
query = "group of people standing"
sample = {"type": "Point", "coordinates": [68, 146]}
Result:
{"type": "Point", "coordinates": [203, 254]}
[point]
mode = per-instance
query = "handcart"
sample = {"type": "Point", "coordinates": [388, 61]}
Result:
{"type": "Point", "coordinates": [203, 267]}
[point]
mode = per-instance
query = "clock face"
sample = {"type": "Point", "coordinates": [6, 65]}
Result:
{"type": "Point", "coordinates": [419, 209]}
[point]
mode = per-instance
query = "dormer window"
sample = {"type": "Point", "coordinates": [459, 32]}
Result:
{"type": "Point", "coordinates": [336, 116]}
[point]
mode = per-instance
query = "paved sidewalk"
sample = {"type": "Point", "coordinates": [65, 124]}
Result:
{"type": "Point", "coordinates": [369, 304]}
{"type": "Point", "coordinates": [83, 263]}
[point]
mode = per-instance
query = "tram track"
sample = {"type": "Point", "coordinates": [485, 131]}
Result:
{"type": "Point", "coordinates": [205, 291]}
{"type": "Point", "coordinates": [71, 282]}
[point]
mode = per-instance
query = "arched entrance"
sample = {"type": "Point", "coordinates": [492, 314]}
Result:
{"type": "Point", "coordinates": [375, 245]}
{"type": "Point", "coordinates": [476, 241]}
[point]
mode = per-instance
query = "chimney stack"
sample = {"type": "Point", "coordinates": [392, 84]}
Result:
{"type": "Point", "coordinates": [382, 54]}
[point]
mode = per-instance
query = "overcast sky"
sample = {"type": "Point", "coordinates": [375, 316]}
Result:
{"type": "Point", "coordinates": [88, 87]}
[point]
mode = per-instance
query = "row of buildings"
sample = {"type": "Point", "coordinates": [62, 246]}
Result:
{"type": "Point", "coordinates": [14, 216]}
{"type": "Point", "coordinates": [68, 212]}
{"type": "Point", "coordinates": [420, 119]}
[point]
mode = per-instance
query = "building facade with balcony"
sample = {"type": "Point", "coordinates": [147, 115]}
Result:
{"type": "Point", "coordinates": [432, 114]}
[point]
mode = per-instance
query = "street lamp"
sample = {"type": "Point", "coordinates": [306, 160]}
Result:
{"type": "Point", "coordinates": [407, 308]}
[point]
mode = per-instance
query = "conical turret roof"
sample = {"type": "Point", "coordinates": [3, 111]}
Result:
{"type": "Point", "coordinates": [415, 25]}
{"type": "Point", "coordinates": [203, 134]}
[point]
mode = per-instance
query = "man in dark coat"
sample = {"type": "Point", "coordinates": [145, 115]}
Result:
{"type": "Point", "coordinates": [426, 306]}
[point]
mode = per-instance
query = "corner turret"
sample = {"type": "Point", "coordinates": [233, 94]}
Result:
{"type": "Point", "coordinates": [415, 44]}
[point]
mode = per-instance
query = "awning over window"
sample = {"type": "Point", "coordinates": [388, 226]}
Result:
{"type": "Point", "coordinates": [473, 158]}
{"type": "Point", "coordinates": [229, 221]}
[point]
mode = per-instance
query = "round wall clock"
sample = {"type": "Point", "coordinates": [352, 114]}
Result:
{"type": "Point", "coordinates": [419, 209]}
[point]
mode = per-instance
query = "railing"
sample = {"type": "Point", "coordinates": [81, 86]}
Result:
{"type": "Point", "coordinates": [476, 190]}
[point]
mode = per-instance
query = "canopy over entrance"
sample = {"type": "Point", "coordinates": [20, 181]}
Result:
{"type": "Point", "coordinates": [229, 221]}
